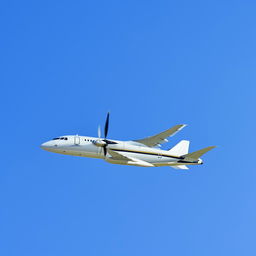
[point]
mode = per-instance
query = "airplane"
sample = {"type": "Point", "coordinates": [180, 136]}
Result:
{"type": "Point", "coordinates": [143, 152]}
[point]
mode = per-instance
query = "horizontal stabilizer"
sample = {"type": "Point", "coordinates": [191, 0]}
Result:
{"type": "Point", "coordinates": [180, 167]}
{"type": "Point", "coordinates": [180, 149]}
{"type": "Point", "coordinates": [197, 154]}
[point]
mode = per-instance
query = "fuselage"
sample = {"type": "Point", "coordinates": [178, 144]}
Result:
{"type": "Point", "coordinates": [85, 146]}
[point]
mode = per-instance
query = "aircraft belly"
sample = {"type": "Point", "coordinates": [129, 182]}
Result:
{"type": "Point", "coordinates": [164, 161]}
{"type": "Point", "coordinates": [79, 150]}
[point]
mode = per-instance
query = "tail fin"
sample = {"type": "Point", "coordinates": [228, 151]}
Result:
{"type": "Point", "coordinates": [197, 154]}
{"type": "Point", "coordinates": [180, 149]}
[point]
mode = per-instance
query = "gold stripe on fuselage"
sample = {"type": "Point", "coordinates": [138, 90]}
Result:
{"type": "Point", "coordinates": [144, 152]}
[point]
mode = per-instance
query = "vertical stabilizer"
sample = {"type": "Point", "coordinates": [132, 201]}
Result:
{"type": "Point", "coordinates": [180, 149]}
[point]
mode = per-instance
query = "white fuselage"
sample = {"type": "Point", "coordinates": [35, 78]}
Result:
{"type": "Point", "coordinates": [85, 146]}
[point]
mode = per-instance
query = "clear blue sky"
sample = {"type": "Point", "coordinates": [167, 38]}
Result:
{"type": "Point", "coordinates": [153, 64]}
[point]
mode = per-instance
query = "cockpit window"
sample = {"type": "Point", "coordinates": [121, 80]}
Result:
{"type": "Point", "coordinates": [60, 138]}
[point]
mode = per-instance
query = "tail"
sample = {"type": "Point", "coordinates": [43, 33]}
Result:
{"type": "Point", "coordinates": [180, 149]}
{"type": "Point", "coordinates": [196, 155]}
{"type": "Point", "coordinates": [191, 158]}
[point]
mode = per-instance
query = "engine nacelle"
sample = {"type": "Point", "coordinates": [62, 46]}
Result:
{"type": "Point", "coordinates": [100, 143]}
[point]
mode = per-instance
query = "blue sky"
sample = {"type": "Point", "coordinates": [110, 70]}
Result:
{"type": "Point", "coordinates": [153, 64]}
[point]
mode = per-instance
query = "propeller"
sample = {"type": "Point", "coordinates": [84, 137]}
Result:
{"type": "Point", "coordinates": [106, 134]}
{"type": "Point", "coordinates": [99, 132]}
{"type": "Point", "coordinates": [106, 126]}
{"type": "Point", "coordinates": [104, 142]}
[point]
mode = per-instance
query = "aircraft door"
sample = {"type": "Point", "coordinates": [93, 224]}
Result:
{"type": "Point", "coordinates": [76, 140]}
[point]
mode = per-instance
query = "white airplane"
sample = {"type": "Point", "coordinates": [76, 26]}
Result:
{"type": "Point", "coordinates": [143, 152]}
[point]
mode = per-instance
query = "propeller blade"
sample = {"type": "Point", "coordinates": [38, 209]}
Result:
{"type": "Point", "coordinates": [99, 132]}
{"type": "Point", "coordinates": [106, 126]}
{"type": "Point", "coordinates": [105, 150]}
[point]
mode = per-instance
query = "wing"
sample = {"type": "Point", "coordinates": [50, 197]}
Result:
{"type": "Point", "coordinates": [118, 156]}
{"type": "Point", "coordinates": [161, 137]}
{"type": "Point", "coordinates": [180, 167]}
{"type": "Point", "coordinates": [130, 160]}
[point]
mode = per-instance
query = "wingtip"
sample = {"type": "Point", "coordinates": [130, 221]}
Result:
{"type": "Point", "coordinates": [182, 125]}
{"type": "Point", "coordinates": [212, 147]}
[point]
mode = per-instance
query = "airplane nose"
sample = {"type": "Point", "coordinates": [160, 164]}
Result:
{"type": "Point", "coordinates": [45, 145]}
